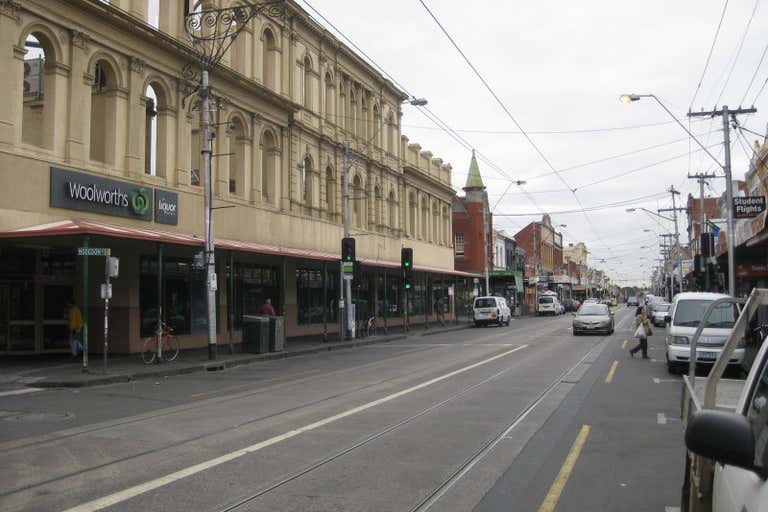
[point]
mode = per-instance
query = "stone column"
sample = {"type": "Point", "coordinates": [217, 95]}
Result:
{"type": "Point", "coordinates": [136, 110]}
{"type": "Point", "coordinates": [171, 19]}
{"type": "Point", "coordinates": [78, 137]}
{"type": "Point", "coordinates": [255, 168]}
{"type": "Point", "coordinates": [12, 64]}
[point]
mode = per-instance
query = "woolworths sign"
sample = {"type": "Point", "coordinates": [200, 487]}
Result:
{"type": "Point", "coordinates": [85, 192]}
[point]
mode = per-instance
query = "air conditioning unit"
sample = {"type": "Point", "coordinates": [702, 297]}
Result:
{"type": "Point", "coordinates": [33, 78]}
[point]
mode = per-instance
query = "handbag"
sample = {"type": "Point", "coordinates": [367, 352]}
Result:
{"type": "Point", "coordinates": [640, 331]}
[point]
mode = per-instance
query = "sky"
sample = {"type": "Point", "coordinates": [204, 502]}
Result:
{"type": "Point", "coordinates": [560, 67]}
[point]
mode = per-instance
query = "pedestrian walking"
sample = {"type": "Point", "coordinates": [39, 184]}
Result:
{"type": "Point", "coordinates": [75, 327]}
{"type": "Point", "coordinates": [267, 309]}
{"type": "Point", "coordinates": [642, 331]}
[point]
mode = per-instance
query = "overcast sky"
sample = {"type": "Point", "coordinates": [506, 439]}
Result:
{"type": "Point", "coordinates": [560, 67]}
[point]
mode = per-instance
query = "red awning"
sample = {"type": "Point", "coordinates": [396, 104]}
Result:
{"type": "Point", "coordinates": [74, 227]}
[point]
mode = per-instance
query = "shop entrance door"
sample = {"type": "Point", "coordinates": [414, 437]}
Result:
{"type": "Point", "coordinates": [17, 316]}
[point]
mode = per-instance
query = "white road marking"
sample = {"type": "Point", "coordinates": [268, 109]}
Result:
{"type": "Point", "coordinates": [20, 391]}
{"type": "Point", "coordinates": [657, 380]}
{"type": "Point", "coordinates": [132, 492]}
{"type": "Point", "coordinates": [661, 418]}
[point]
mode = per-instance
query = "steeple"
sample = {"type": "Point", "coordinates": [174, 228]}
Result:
{"type": "Point", "coordinates": [474, 180]}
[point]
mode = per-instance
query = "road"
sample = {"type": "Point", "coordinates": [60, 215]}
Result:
{"type": "Point", "coordinates": [526, 417]}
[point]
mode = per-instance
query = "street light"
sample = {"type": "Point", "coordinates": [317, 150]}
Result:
{"type": "Point", "coordinates": [630, 210]}
{"type": "Point", "coordinates": [416, 102]}
{"type": "Point", "coordinates": [629, 98]}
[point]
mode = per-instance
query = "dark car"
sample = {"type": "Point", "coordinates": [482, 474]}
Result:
{"type": "Point", "coordinates": [571, 304]}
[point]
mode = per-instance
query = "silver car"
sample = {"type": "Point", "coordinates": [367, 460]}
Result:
{"type": "Point", "coordinates": [659, 313]}
{"type": "Point", "coordinates": [593, 318]}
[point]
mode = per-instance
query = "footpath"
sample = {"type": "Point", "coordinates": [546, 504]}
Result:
{"type": "Point", "coordinates": [58, 371]}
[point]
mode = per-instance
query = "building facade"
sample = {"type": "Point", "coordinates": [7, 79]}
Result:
{"type": "Point", "coordinates": [473, 226]}
{"type": "Point", "coordinates": [100, 146]}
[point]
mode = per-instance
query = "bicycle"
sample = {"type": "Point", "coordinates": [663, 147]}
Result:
{"type": "Point", "coordinates": [167, 349]}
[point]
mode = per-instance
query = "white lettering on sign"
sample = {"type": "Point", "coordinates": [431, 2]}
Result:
{"type": "Point", "coordinates": [166, 207]}
{"type": "Point", "coordinates": [96, 194]}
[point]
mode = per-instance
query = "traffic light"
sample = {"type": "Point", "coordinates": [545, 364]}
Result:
{"type": "Point", "coordinates": [697, 263]}
{"type": "Point", "coordinates": [348, 249]}
{"type": "Point", "coordinates": [707, 245]}
{"type": "Point", "coordinates": [406, 263]}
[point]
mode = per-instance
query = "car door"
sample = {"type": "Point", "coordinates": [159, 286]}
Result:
{"type": "Point", "coordinates": [737, 489]}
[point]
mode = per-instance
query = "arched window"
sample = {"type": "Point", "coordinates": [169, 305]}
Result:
{"type": "Point", "coordinates": [390, 133]}
{"type": "Point", "coordinates": [378, 205]}
{"type": "Point", "coordinates": [37, 123]}
{"type": "Point", "coordinates": [412, 212]}
{"type": "Point", "coordinates": [157, 123]}
{"type": "Point", "coordinates": [307, 83]}
{"type": "Point", "coordinates": [358, 203]}
{"type": "Point", "coordinates": [424, 231]}
{"type": "Point", "coordinates": [352, 113]}
{"type": "Point", "coordinates": [376, 130]}
{"type": "Point", "coordinates": [446, 226]}
{"type": "Point", "coordinates": [237, 159]}
{"type": "Point", "coordinates": [305, 180]}
{"type": "Point", "coordinates": [268, 146]}
{"type": "Point", "coordinates": [103, 113]}
{"type": "Point", "coordinates": [330, 190]}
{"type": "Point", "coordinates": [392, 210]}
{"type": "Point", "coordinates": [435, 223]}
{"type": "Point", "coordinates": [195, 143]}
{"type": "Point", "coordinates": [269, 59]}
{"type": "Point", "coordinates": [362, 121]}
{"type": "Point", "coordinates": [330, 114]}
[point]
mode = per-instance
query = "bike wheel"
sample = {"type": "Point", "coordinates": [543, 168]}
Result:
{"type": "Point", "coordinates": [149, 350]}
{"type": "Point", "coordinates": [170, 347]}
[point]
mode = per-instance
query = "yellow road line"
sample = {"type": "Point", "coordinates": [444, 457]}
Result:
{"type": "Point", "coordinates": [609, 377]}
{"type": "Point", "coordinates": [624, 344]}
{"type": "Point", "coordinates": [556, 489]}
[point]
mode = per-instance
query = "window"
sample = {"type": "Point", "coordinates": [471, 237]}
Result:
{"type": "Point", "coordinates": [330, 190]}
{"type": "Point", "coordinates": [307, 83]}
{"type": "Point", "coordinates": [435, 224]}
{"type": "Point", "coordinates": [37, 122]}
{"type": "Point", "coordinates": [311, 300]}
{"type": "Point", "coordinates": [459, 244]}
{"type": "Point", "coordinates": [330, 115]}
{"type": "Point", "coordinates": [412, 214]}
{"type": "Point", "coordinates": [305, 180]}
{"type": "Point", "coordinates": [393, 302]}
{"type": "Point", "coordinates": [424, 231]}
{"type": "Point", "coordinates": [176, 294]}
{"type": "Point", "coordinates": [237, 158]}
{"type": "Point", "coordinates": [269, 57]}
{"type": "Point", "coordinates": [689, 313]}
{"type": "Point", "coordinates": [103, 110]}
{"type": "Point", "coordinates": [392, 210]}
{"type": "Point", "coordinates": [254, 284]}
{"type": "Point", "coordinates": [352, 113]}
{"type": "Point", "coordinates": [376, 126]}
{"type": "Point", "coordinates": [268, 165]}
{"type": "Point", "coordinates": [378, 205]}
{"type": "Point", "coordinates": [358, 203]}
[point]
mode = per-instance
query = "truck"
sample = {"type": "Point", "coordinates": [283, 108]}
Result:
{"type": "Point", "coordinates": [726, 420]}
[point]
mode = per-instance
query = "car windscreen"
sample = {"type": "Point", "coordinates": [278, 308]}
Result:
{"type": "Point", "coordinates": [662, 307]}
{"type": "Point", "coordinates": [546, 300]}
{"type": "Point", "coordinates": [690, 312]}
{"type": "Point", "coordinates": [593, 310]}
{"type": "Point", "coordinates": [485, 303]}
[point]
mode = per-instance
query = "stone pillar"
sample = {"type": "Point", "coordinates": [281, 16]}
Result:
{"type": "Point", "coordinates": [139, 8]}
{"type": "Point", "coordinates": [283, 168]}
{"type": "Point", "coordinates": [287, 57]}
{"type": "Point", "coordinates": [78, 142]}
{"type": "Point", "coordinates": [167, 130]}
{"type": "Point", "coordinates": [55, 111]}
{"type": "Point", "coordinates": [136, 110]}
{"type": "Point", "coordinates": [171, 19]}
{"type": "Point", "coordinates": [255, 168]}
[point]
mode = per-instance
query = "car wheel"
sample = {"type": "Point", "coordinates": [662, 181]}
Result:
{"type": "Point", "coordinates": [477, 324]}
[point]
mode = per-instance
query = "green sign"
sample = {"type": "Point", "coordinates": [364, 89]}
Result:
{"type": "Point", "coordinates": [92, 251]}
{"type": "Point", "coordinates": [348, 267]}
{"type": "Point", "coordinates": [140, 201]}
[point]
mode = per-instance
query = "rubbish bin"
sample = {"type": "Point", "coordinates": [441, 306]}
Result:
{"type": "Point", "coordinates": [276, 333]}
{"type": "Point", "coordinates": [255, 334]}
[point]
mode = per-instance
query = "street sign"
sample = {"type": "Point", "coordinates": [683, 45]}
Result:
{"type": "Point", "coordinates": [106, 291]}
{"type": "Point", "coordinates": [93, 251]}
{"type": "Point", "coordinates": [348, 267]}
{"type": "Point", "coordinates": [748, 207]}
{"type": "Point", "coordinates": [348, 277]}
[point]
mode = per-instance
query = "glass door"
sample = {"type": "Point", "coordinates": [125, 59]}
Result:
{"type": "Point", "coordinates": [19, 310]}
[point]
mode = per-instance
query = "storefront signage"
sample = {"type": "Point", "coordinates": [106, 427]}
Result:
{"type": "Point", "coordinates": [752, 270]}
{"type": "Point", "coordinates": [93, 251]}
{"type": "Point", "coordinates": [166, 207]}
{"type": "Point", "coordinates": [80, 191]}
{"type": "Point", "coordinates": [748, 207]}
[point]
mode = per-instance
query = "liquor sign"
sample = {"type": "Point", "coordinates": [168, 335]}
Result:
{"type": "Point", "coordinates": [748, 207]}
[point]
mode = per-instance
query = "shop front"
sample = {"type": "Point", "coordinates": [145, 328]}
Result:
{"type": "Point", "coordinates": [509, 284]}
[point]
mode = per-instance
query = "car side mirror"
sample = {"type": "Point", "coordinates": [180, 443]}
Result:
{"type": "Point", "coordinates": [723, 437]}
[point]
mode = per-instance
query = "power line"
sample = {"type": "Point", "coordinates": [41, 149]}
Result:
{"type": "Point", "coordinates": [709, 56]}
{"type": "Point", "coordinates": [548, 132]}
{"type": "Point", "coordinates": [509, 114]}
{"type": "Point", "coordinates": [738, 51]}
{"type": "Point", "coordinates": [754, 75]}
{"type": "Point", "coordinates": [618, 204]}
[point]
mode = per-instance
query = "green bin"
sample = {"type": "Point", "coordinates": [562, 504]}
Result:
{"type": "Point", "coordinates": [255, 334]}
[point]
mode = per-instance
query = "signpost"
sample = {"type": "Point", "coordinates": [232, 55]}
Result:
{"type": "Point", "coordinates": [111, 269]}
{"type": "Point", "coordinates": [748, 207]}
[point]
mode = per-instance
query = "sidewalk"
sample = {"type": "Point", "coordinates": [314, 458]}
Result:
{"type": "Point", "coordinates": [56, 373]}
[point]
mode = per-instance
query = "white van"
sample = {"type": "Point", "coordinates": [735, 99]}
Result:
{"type": "Point", "coordinates": [687, 311]}
{"type": "Point", "coordinates": [548, 305]}
{"type": "Point", "coordinates": [491, 310]}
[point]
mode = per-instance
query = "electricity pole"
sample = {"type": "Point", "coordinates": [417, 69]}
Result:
{"type": "Point", "coordinates": [674, 211]}
{"type": "Point", "coordinates": [702, 179]}
{"type": "Point", "coordinates": [726, 114]}
{"type": "Point", "coordinates": [485, 245]}
{"type": "Point", "coordinates": [347, 313]}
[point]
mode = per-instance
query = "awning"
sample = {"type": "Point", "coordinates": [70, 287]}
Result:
{"type": "Point", "coordinates": [75, 227]}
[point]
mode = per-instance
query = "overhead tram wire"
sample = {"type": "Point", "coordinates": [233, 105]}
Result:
{"type": "Point", "coordinates": [512, 117]}
{"type": "Point", "coordinates": [709, 56]}
{"type": "Point", "coordinates": [754, 75]}
{"type": "Point", "coordinates": [424, 110]}
{"type": "Point", "coordinates": [618, 204]}
{"type": "Point", "coordinates": [738, 52]}
{"type": "Point", "coordinates": [548, 132]}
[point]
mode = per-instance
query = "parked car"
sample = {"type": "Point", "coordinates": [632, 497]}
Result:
{"type": "Point", "coordinates": [491, 310]}
{"type": "Point", "coordinates": [659, 313]}
{"type": "Point", "coordinates": [686, 312]}
{"type": "Point", "coordinates": [571, 304]}
{"type": "Point", "coordinates": [548, 305]}
{"type": "Point", "coordinates": [593, 318]}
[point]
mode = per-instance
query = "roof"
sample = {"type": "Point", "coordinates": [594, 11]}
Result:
{"type": "Point", "coordinates": [74, 227]}
{"type": "Point", "coordinates": [700, 296]}
{"type": "Point", "coordinates": [474, 180]}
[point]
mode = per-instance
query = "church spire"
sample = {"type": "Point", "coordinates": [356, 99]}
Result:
{"type": "Point", "coordinates": [474, 180]}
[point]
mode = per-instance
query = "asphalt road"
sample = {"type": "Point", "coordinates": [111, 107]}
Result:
{"type": "Point", "coordinates": [526, 417]}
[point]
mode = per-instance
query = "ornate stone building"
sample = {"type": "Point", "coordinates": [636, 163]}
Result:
{"type": "Point", "coordinates": [100, 144]}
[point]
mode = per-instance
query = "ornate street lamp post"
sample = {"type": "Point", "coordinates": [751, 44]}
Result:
{"type": "Point", "coordinates": [211, 33]}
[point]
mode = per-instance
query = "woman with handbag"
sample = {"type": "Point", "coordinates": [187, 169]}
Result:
{"type": "Point", "coordinates": [642, 332]}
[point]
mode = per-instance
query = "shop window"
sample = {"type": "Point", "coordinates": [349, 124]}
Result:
{"type": "Point", "coordinates": [268, 166]}
{"type": "Point", "coordinates": [103, 113]}
{"type": "Point", "coordinates": [310, 296]}
{"type": "Point", "coordinates": [177, 285]}
{"type": "Point", "coordinates": [416, 298]}
{"type": "Point", "coordinates": [37, 117]}
{"type": "Point", "coordinates": [393, 306]}
{"type": "Point", "coordinates": [269, 59]}
{"type": "Point", "coordinates": [253, 285]}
